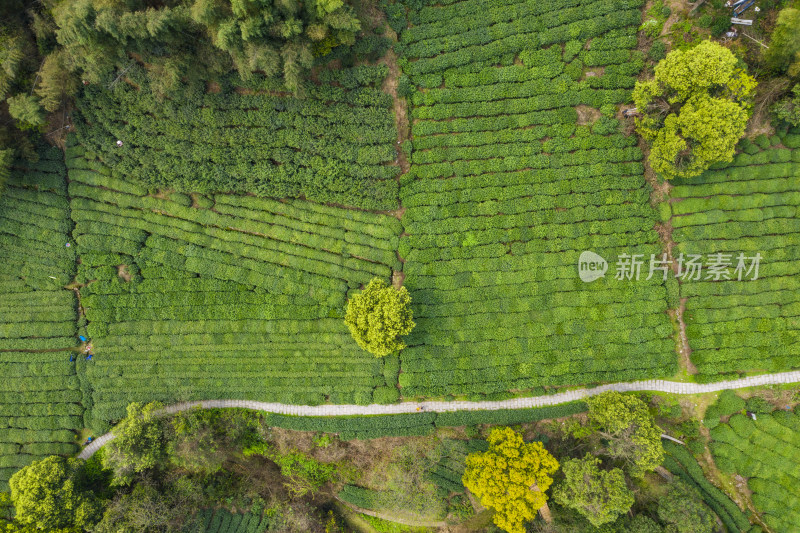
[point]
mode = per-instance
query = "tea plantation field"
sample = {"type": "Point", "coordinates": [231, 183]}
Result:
{"type": "Point", "coordinates": [509, 184]}
{"type": "Point", "coordinates": [334, 145]}
{"type": "Point", "coordinates": [222, 297]}
{"type": "Point", "coordinates": [748, 208]}
{"type": "Point", "coordinates": [40, 394]}
{"type": "Point", "coordinates": [212, 253]}
{"type": "Point", "coordinates": [765, 451]}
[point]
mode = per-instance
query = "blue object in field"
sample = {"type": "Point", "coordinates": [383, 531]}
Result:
{"type": "Point", "coordinates": [71, 358]}
{"type": "Point", "coordinates": [89, 357]}
{"type": "Point", "coordinates": [82, 338]}
{"type": "Point", "coordinates": [89, 440]}
{"type": "Point", "coordinates": [742, 8]}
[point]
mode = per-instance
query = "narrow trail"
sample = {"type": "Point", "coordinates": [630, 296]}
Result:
{"type": "Point", "coordinates": [652, 385]}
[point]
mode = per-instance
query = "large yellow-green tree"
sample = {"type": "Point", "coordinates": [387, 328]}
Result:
{"type": "Point", "coordinates": [378, 316]}
{"type": "Point", "coordinates": [52, 494]}
{"type": "Point", "coordinates": [511, 478]}
{"type": "Point", "coordinates": [694, 110]}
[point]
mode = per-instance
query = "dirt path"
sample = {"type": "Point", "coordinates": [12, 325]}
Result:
{"type": "Point", "coordinates": [399, 106]}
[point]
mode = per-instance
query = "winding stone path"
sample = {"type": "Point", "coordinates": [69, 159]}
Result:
{"type": "Point", "coordinates": [654, 385]}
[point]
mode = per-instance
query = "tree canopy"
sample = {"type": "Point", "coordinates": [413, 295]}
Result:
{"type": "Point", "coordinates": [511, 477]}
{"type": "Point", "coordinates": [51, 494]}
{"type": "Point", "coordinates": [627, 426]}
{"type": "Point", "coordinates": [601, 496]}
{"type": "Point", "coordinates": [783, 54]}
{"type": "Point", "coordinates": [378, 316]}
{"type": "Point", "coordinates": [139, 443]}
{"type": "Point", "coordinates": [277, 38]}
{"type": "Point", "coordinates": [695, 109]}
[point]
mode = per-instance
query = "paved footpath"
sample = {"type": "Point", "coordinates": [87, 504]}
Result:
{"type": "Point", "coordinates": [655, 385]}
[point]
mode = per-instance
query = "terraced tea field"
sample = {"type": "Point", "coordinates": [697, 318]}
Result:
{"type": "Point", "coordinates": [747, 208]}
{"type": "Point", "coordinates": [509, 183]}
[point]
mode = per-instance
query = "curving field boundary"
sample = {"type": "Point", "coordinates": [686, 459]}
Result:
{"type": "Point", "coordinates": [653, 385]}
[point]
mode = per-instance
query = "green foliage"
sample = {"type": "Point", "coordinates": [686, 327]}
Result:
{"type": "Point", "coordinates": [26, 109]}
{"type": "Point", "coordinates": [681, 463]}
{"type": "Point", "coordinates": [336, 145]}
{"type": "Point", "coordinates": [757, 404]}
{"type": "Point", "coordinates": [694, 110]}
{"type": "Point", "coordinates": [625, 422]}
{"type": "Point", "coordinates": [48, 494]}
{"type": "Point", "coordinates": [683, 511]}
{"type": "Point", "coordinates": [200, 441]}
{"type": "Point", "coordinates": [787, 109]}
{"type": "Point", "coordinates": [139, 443]}
{"type": "Point", "coordinates": [658, 51]}
{"type": "Point", "coordinates": [303, 474]}
{"type": "Point", "coordinates": [598, 495]}
{"type": "Point", "coordinates": [655, 18]}
{"type": "Point", "coordinates": [378, 316]}
{"type": "Point", "coordinates": [783, 54]}
{"type": "Point", "coordinates": [98, 38]}
{"type": "Point", "coordinates": [728, 403]}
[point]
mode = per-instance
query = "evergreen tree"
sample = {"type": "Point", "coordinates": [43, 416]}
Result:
{"type": "Point", "coordinates": [783, 54]}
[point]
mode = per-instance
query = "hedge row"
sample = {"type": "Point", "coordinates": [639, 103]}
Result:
{"type": "Point", "coordinates": [746, 207]}
{"type": "Point", "coordinates": [334, 145]}
{"type": "Point", "coordinates": [40, 400]}
{"type": "Point", "coordinates": [680, 462]}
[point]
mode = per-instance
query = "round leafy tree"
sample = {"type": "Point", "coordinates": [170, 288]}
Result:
{"type": "Point", "coordinates": [627, 427]}
{"type": "Point", "coordinates": [601, 496]}
{"type": "Point", "coordinates": [511, 477]}
{"type": "Point", "coordinates": [694, 110]}
{"type": "Point", "coordinates": [51, 494]}
{"type": "Point", "coordinates": [378, 316]}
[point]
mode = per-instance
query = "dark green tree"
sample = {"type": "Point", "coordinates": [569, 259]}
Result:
{"type": "Point", "coordinates": [627, 427]}
{"type": "Point", "coordinates": [599, 495]}
{"type": "Point", "coordinates": [783, 54]}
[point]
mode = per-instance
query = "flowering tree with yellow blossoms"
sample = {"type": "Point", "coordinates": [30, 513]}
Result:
{"type": "Point", "coordinates": [511, 477]}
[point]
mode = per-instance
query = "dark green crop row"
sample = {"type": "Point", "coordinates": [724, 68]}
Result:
{"type": "Point", "coordinates": [335, 145]}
